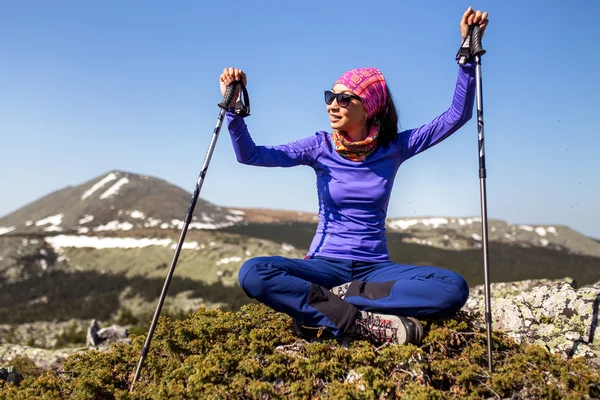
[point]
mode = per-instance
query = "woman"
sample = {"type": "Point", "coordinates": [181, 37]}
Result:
{"type": "Point", "coordinates": [347, 282]}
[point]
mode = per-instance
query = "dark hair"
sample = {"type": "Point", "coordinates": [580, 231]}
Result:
{"type": "Point", "coordinates": [387, 121]}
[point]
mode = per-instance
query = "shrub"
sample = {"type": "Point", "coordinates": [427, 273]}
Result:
{"type": "Point", "coordinates": [253, 354]}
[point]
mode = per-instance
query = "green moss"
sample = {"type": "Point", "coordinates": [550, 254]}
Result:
{"type": "Point", "coordinates": [253, 354]}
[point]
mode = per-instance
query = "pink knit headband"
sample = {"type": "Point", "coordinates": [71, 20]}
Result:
{"type": "Point", "coordinates": [369, 84]}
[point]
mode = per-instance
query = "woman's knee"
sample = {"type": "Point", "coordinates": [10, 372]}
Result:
{"type": "Point", "coordinates": [251, 275]}
{"type": "Point", "coordinates": [458, 292]}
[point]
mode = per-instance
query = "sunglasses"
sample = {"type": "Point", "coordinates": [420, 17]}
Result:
{"type": "Point", "coordinates": [343, 99]}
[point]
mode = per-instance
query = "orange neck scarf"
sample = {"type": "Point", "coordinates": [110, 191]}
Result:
{"type": "Point", "coordinates": [355, 151]}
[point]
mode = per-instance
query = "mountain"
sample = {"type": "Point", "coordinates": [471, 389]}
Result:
{"type": "Point", "coordinates": [115, 201]}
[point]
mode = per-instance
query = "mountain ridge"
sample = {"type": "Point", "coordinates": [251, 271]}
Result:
{"type": "Point", "coordinates": [126, 201]}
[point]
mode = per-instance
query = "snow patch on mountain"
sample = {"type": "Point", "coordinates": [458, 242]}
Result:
{"type": "Point", "coordinates": [115, 226]}
{"type": "Point", "coordinates": [51, 220]}
{"type": "Point", "coordinates": [114, 189]}
{"type": "Point", "coordinates": [152, 222]}
{"type": "Point", "coordinates": [407, 223]}
{"type": "Point", "coordinates": [137, 214]}
{"type": "Point", "coordinates": [187, 245]}
{"type": "Point", "coordinates": [86, 219]}
{"type": "Point", "coordinates": [526, 228]}
{"type": "Point", "coordinates": [64, 241]}
{"type": "Point", "coordinates": [206, 218]}
{"type": "Point", "coordinates": [4, 230]}
{"type": "Point", "coordinates": [466, 221]}
{"type": "Point", "coordinates": [434, 222]}
{"type": "Point", "coordinates": [228, 260]}
{"type": "Point", "coordinates": [175, 223]}
{"type": "Point", "coordinates": [98, 185]}
{"type": "Point", "coordinates": [120, 225]}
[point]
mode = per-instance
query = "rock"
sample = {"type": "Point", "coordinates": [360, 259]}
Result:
{"type": "Point", "coordinates": [92, 339]}
{"type": "Point", "coordinates": [504, 289]}
{"type": "Point", "coordinates": [113, 334]}
{"type": "Point", "coordinates": [101, 339]}
{"type": "Point", "coordinates": [551, 314]}
{"type": "Point", "coordinates": [10, 374]}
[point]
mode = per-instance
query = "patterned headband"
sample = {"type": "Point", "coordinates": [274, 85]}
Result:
{"type": "Point", "coordinates": [369, 84]}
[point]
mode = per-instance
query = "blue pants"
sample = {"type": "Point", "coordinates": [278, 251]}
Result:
{"type": "Point", "coordinates": [300, 288]}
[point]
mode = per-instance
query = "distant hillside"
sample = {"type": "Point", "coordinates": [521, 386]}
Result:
{"type": "Point", "coordinates": [84, 276]}
{"type": "Point", "coordinates": [115, 201]}
{"type": "Point", "coordinates": [508, 261]}
{"type": "Point", "coordinates": [465, 233]}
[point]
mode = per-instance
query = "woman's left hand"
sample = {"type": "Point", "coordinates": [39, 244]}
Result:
{"type": "Point", "coordinates": [471, 17]}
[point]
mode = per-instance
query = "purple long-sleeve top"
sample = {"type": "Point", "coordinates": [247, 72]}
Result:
{"type": "Point", "coordinates": [354, 196]}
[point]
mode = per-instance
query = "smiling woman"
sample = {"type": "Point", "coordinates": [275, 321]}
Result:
{"type": "Point", "coordinates": [366, 115]}
{"type": "Point", "coordinates": [347, 282]}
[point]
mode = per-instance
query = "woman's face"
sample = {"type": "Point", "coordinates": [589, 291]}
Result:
{"type": "Point", "coordinates": [346, 119]}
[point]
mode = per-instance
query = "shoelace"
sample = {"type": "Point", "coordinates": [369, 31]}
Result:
{"type": "Point", "coordinates": [375, 328]}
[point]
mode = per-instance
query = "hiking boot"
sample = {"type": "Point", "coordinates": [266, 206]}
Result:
{"type": "Point", "coordinates": [340, 290]}
{"type": "Point", "coordinates": [384, 328]}
{"type": "Point", "coordinates": [308, 332]}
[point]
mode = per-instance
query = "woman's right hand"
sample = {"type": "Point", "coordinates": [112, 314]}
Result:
{"type": "Point", "coordinates": [228, 76]}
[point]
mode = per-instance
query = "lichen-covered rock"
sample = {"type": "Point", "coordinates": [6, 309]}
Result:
{"type": "Point", "coordinates": [548, 313]}
{"type": "Point", "coordinates": [506, 289]}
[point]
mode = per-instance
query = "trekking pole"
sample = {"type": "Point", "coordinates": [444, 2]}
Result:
{"type": "Point", "coordinates": [242, 110]}
{"type": "Point", "coordinates": [472, 47]}
{"type": "Point", "coordinates": [478, 51]}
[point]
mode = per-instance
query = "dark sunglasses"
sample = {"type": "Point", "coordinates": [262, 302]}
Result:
{"type": "Point", "coordinates": [343, 99]}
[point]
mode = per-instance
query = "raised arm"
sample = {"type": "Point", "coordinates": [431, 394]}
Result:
{"type": "Point", "coordinates": [301, 152]}
{"type": "Point", "coordinates": [414, 141]}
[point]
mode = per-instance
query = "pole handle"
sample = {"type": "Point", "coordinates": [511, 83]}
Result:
{"type": "Point", "coordinates": [229, 93]}
{"type": "Point", "coordinates": [242, 108]}
{"type": "Point", "coordinates": [476, 35]}
{"type": "Point", "coordinates": [471, 46]}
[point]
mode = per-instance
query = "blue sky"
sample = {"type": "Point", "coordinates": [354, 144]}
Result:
{"type": "Point", "coordinates": [89, 87]}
